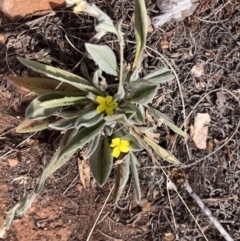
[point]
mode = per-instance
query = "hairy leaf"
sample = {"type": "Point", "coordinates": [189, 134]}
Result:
{"type": "Point", "coordinates": [157, 114]}
{"type": "Point", "coordinates": [122, 175]}
{"type": "Point", "coordinates": [65, 101]}
{"type": "Point", "coordinates": [142, 92]}
{"type": "Point", "coordinates": [60, 75]}
{"type": "Point", "coordinates": [41, 86]}
{"type": "Point", "coordinates": [104, 57]}
{"type": "Point", "coordinates": [159, 76]}
{"type": "Point", "coordinates": [141, 26]}
{"type": "Point", "coordinates": [139, 110]}
{"type": "Point", "coordinates": [134, 143]}
{"type": "Point", "coordinates": [101, 161]}
{"type": "Point", "coordinates": [83, 136]}
{"type": "Point", "coordinates": [28, 126]}
{"type": "Point", "coordinates": [92, 146]}
{"type": "Point", "coordinates": [122, 118]}
{"type": "Point", "coordinates": [134, 164]}
{"type": "Point", "coordinates": [165, 154]}
{"type": "Point", "coordinates": [63, 124]}
{"type": "Point", "coordinates": [35, 110]}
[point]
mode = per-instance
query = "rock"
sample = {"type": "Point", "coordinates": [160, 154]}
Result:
{"type": "Point", "coordinates": [13, 162]}
{"type": "Point", "coordinates": [20, 8]}
{"type": "Point", "coordinates": [2, 38]}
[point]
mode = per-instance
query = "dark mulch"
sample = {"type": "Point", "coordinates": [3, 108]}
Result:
{"type": "Point", "coordinates": [211, 37]}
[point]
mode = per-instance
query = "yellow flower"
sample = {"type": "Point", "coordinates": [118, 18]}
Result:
{"type": "Point", "coordinates": [119, 145]}
{"type": "Point", "coordinates": [106, 104]}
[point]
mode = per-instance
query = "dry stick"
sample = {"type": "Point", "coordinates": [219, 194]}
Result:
{"type": "Point", "coordinates": [95, 223]}
{"type": "Point", "coordinates": [9, 152]}
{"type": "Point", "coordinates": [207, 212]}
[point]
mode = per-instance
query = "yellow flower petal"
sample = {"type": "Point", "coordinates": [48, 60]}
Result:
{"type": "Point", "coordinates": [101, 100]}
{"type": "Point", "coordinates": [109, 110]}
{"type": "Point", "coordinates": [114, 104]}
{"type": "Point", "coordinates": [115, 142]}
{"type": "Point", "coordinates": [108, 99]}
{"type": "Point", "coordinates": [101, 108]}
{"type": "Point", "coordinates": [124, 149]}
{"type": "Point", "coordinates": [116, 152]}
{"type": "Point", "coordinates": [124, 143]}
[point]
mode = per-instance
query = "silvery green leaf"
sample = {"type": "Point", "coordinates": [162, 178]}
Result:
{"type": "Point", "coordinates": [119, 32]}
{"type": "Point", "coordinates": [141, 26]}
{"type": "Point", "coordinates": [139, 110]}
{"type": "Point", "coordinates": [142, 92]}
{"type": "Point", "coordinates": [92, 97]}
{"type": "Point", "coordinates": [83, 136]}
{"type": "Point", "coordinates": [120, 93]}
{"type": "Point", "coordinates": [157, 114]}
{"type": "Point", "coordinates": [92, 146]}
{"type": "Point", "coordinates": [99, 81]}
{"type": "Point", "coordinates": [163, 153]}
{"type": "Point", "coordinates": [84, 71]}
{"type": "Point", "coordinates": [104, 57]}
{"type": "Point", "coordinates": [109, 127]}
{"type": "Point", "coordinates": [159, 76]}
{"type": "Point", "coordinates": [122, 175]}
{"type": "Point", "coordinates": [96, 75]}
{"type": "Point", "coordinates": [104, 26]}
{"type": "Point", "coordinates": [68, 113]}
{"type": "Point", "coordinates": [61, 75]}
{"type": "Point", "coordinates": [89, 122]}
{"type": "Point", "coordinates": [101, 161]}
{"type": "Point", "coordinates": [64, 101]}
{"type": "Point", "coordinates": [134, 76]}
{"type": "Point", "coordinates": [28, 126]}
{"type": "Point", "coordinates": [134, 164]}
{"type": "Point", "coordinates": [134, 143]}
{"type": "Point", "coordinates": [87, 114]}
{"type": "Point", "coordinates": [63, 124]}
{"type": "Point", "coordinates": [36, 111]}
{"type": "Point", "coordinates": [145, 129]}
{"type": "Point", "coordinates": [120, 118]}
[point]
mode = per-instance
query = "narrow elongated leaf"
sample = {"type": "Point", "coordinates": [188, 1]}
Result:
{"type": "Point", "coordinates": [134, 143]}
{"type": "Point", "coordinates": [35, 111]}
{"type": "Point", "coordinates": [134, 164]}
{"type": "Point", "coordinates": [104, 57]}
{"type": "Point", "coordinates": [141, 26]}
{"type": "Point", "coordinates": [60, 75]}
{"type": "Point", "coordinates": [84, 71]}
{"type": "Point", "coordinates": [101, 161]}
{"type": "Point", "coordinates": [41, 86]}
{"type": "Point", "coordinates": [120, 118]}
{"type": "Point", "coordinates": [65, 101]}
{"type": "Point", "coordinates": [142, 92]}
{"type": "Point", "coordinates": [92, 146]}
{"type": "Point", "coordinates": [91, 122]}
{"type": "Point", "coordinates": [157, 114]}
{"type": "Point", "coordinates": [63, 124]}
{"type": "Point", "coordinates": [69, 113]}
{"type": "Point", "coordinates": [85, 116]}
{"type": "Point", "coordinates": [163, 153]}
{"type": "Point", "coordinates": [159, 76]}
{"type": "Point", "coordinates": [122, 175]}
{"type": "Point", "coordinates": [82, 137]}
{"type": "Point", "coordinates": [139, 117]}
{"type": "Point", "coordinates": [28, 126]}
{"type": "Point", "coordinates": [107, 27]}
